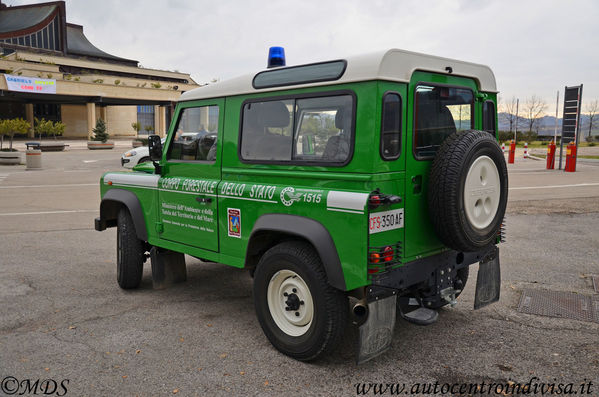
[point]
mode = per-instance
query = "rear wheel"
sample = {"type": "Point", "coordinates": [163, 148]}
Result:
{"type": "Point", "coordinates": [300, 313]}
{"type": "Point", "coordinates": [130, 252]}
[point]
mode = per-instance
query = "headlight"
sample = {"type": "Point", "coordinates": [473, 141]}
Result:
{"type": "Point", "coordinates": [131, 153]}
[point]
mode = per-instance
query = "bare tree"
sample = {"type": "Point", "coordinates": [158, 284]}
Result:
{"type": "Point", "coordinates": [533, 108]}
{"type": "Point", "coordinates": [508, 112]}
{"type": "Point", "coordinates": [592, 108]}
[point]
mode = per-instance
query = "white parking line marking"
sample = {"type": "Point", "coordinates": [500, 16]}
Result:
{"type": "Point", "coordinates": [89, 161]}
{"type": "Point", "coordinates": [45, 212]}
{"type": "Point", "coordinates": [64, 185]}
{"type": "Point", "coordinates": [553, 186]}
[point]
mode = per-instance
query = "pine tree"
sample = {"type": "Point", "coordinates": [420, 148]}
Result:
{"type": "Point", "coordinates": [99, 131]}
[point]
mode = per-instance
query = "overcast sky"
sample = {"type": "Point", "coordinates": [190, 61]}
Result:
{"type": "Point", "coordinates": [534, 47]}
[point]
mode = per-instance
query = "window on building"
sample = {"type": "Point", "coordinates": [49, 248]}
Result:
{"type": "Point", "coordinates": [391, 126]}
{"type": "Point", "coordinates": [145, 117]}
{"type": "Point", "coordinates": [439, 112]}
{"type": "Point", "coordinates": [304, 130]}
{"type": "Point", "coordinates": [195, 135]}
{"type": "Point", "coordinates": [48, 111]}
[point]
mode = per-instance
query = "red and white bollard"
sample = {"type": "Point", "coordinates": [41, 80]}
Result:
{"type": "Point", "coordinates": [570, 157]}
{"type": "Point", "coordinates": [512, 153]}
{"type": "Point", "coordinates": [503, 147]}
{"type": "Point", "coordinates": [525, 150]}
{"type": "Point", "coordinates": [551, 156]}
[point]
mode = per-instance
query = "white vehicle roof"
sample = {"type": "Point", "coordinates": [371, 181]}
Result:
{"type": "Point", "coordinates": [391, 65]}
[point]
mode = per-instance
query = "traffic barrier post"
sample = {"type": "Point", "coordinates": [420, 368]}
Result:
{"type": "Point", "coordinates": [512, 153]}
{"type": "Point", "coordinates": [551, 156]}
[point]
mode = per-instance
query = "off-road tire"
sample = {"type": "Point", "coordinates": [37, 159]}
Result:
{"type": "Point", "coordinates": [330, 305]}
{"type": "Point", "coordinates": [446, 195]}
{"type": "Point", "coordinates": [130, 252]}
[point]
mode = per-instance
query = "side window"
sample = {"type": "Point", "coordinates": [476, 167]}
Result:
{"type": "Point", "coordinates": [266, 130]}
{"type": "Point", "coordinates": [195, 135]}
{"type": "Point", "coordinates": [489, 117]}
{"type": "Point", "coordinates": [298, 130]}
{"type": "Point", "coordinates": [439, 112]}
{"type": "Point", "coordinates": [391, 127]}
{"type": "Point", "coordinates": [323, 129]}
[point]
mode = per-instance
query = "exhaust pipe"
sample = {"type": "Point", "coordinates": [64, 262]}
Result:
{"type": "Point", "coordinates": [360, 312]}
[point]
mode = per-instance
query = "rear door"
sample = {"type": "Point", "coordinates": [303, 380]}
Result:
{"type": "Point", "coordinates": [438, 105]}
{"type": "Point", "coordinates": [386, 222]}
{"type": "Point", "coordinates": [187, 189]}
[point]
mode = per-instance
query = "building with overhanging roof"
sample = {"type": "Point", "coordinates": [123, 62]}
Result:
{"type": "Point", "coordinates": [52, 71]}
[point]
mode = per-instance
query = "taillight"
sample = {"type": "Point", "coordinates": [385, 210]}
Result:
{"type": "Point", "coordinates": [374, 201]}
{"type": "Point", "coordinates": [388, 254]}
{"type": "Point", "coordinates": [384, 258]}
{"type": "Point", "coordinates": [374, 257]}
{"type": "Point", "coordinates": [378, 199]}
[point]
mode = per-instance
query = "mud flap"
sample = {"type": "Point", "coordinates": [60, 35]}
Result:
{"type": "Point", "coordinates": [168, 267]}
{"type": "Point", "coordinates": [488, 281]}
{"type": "Point", "coordinates": [377, 332]}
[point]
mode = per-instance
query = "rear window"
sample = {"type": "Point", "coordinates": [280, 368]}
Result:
{"type": "Point", "coordinates": [391, 126]}
{"type": "Point", "coordinates": [298, 130]}
{"type": "Point", "coordinates": [489, 117]}
{"type": "Point", "coordinates": [439, 112]}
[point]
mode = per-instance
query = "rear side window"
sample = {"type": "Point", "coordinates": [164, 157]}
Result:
{"type": "Point", "coordinates": [439, 112]}
{"type": "Point", "coordinates": [489, 117]}
{"type": "Point", "coordinates": [298, 130]}
{"type": "Point", "coordinates": [391, 126]}
{"type": "Point", "coordinates": [195, 135]}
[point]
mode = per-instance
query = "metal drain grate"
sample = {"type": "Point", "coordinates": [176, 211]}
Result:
{"type": "Point", "coordinates": [560, 304]}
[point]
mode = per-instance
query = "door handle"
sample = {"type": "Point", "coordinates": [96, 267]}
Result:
{"type": "Point", "coordinates": [204, 200]}
{"type": "Point", "coordinates": [417, 184]}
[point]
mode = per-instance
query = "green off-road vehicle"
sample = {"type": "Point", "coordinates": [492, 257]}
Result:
{"type": "Point", "coordinates": [376, 178]}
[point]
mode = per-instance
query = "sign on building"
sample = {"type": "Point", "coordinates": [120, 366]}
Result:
{"type": "Point", "coordinates": [30, 84]}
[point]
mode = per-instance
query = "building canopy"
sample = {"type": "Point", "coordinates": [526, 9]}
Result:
{"type": "Point", "coordinates": [42, 27]}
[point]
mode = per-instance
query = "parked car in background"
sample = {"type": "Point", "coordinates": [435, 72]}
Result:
{"type": "Point", "coordinates": [135, 156]}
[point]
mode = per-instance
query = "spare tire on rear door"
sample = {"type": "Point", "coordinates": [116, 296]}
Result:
{"type": "Point", "coordinates": [468, 189]}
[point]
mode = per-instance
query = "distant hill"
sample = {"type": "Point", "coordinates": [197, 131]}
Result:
{"type": "Point", "coordinates": [546, 124]}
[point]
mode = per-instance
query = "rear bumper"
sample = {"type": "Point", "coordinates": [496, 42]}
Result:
{"type": "Point", "coordinates": [430, 271]}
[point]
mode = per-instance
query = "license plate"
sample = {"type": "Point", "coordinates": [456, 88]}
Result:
{"type": "Point", "coordinates": [386, 220]}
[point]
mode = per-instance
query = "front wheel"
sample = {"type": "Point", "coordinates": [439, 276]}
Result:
{"type": "Point", "coordinates": [300, 313]}
{"type": "Point", "coordinates": [130, 252]}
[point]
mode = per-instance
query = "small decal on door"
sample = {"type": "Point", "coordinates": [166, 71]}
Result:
{"type": "Point", "coordinates": [234, 221]}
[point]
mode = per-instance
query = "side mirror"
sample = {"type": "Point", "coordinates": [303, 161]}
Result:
{"type": "Point", "coordinates": [155, 147]}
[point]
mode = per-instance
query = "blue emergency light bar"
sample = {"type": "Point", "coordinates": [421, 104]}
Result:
{"type": "Point", "coordinates": [276, 57]}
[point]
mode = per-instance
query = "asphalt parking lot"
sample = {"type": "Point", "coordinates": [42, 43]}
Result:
{"type": "Point", "coordinates": [63, 316]}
